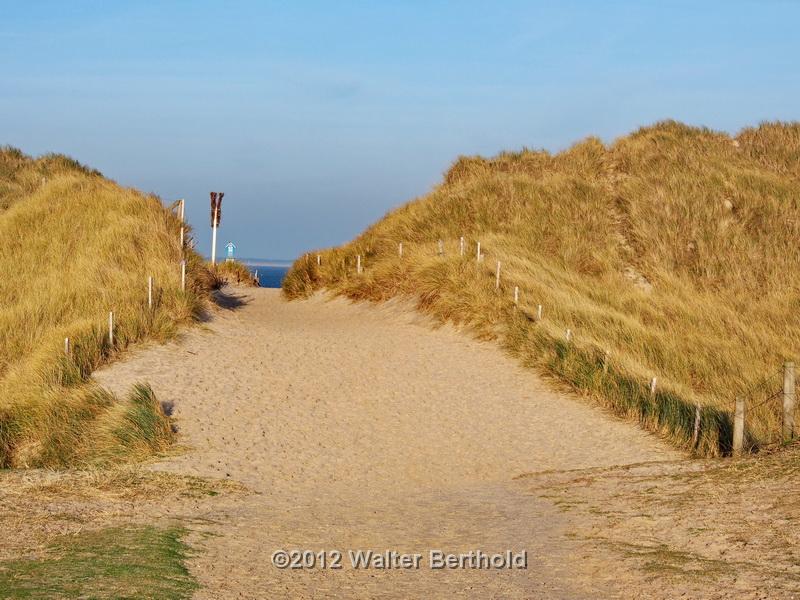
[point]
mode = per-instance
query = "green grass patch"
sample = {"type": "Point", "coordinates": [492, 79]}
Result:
{"type": "Point", "coordinates": [136, 562]}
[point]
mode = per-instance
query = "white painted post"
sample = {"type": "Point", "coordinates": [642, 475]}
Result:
{"type": "Point", "coordinates": [441, 248]}
{"type": "Point", "coordinates": [653, 386]}
{"type": "Point", "coordinates": [319, 260]}
{"type": "Point", "coordinates": [738, 427]}
{"type": "Point", "coordinates": [183, 210]}
{"type": "Point", "coordinates": [150, 292]}
{"type": "Point", "coordinates": [788, 401]}
{"type": "Point", "coordinates": [497, 277]}
{"type": "Point", "coordinates": [696, 433]}
{"type": "Point", "coordinates": [516, 295]}
{"type": "Point", "coordinates": [478, 258]}
{"type": "Point", "coordinates": [400, 249]}
{"type": "Point", "coordinates": [461, 246]}
{"type": "Point", "coordinates": [539, 313]}
{"type": "Point", "coordinates": [182, 236]}
{"type": "Point", "coordinates": [66, 346]}
{"type": "Point", "coordinates": [568, 335]}
{"type": "Point", "coordinates": [358, 264]}
{"type": "Point", "coordinates": [111, 328]}
{"type": "Point", "coordinates": [214, 239]}
{"type": "Point", "coordinates": [183, 275]}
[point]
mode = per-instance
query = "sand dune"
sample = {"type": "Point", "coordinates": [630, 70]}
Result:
{"type": "Point", "coordinates": [361, 427]}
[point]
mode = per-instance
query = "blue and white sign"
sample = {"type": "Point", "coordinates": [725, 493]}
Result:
{"type": "Point", "coordinates": [231, 247]}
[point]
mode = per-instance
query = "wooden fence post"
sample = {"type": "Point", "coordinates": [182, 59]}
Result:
{"type": "Point", "coordinates": [696, 433]}
{"type": "Point", "coordinates": [516, 295]}
{"type": "Point", "coordinates": [111, 328]}
{"type": "Point", "coordinates": [738, 426]}
{"type": "Point", "coordinates": [183, 275]}
{"type": "Point", "coordinates": [182, 237]}
{"type": "Point", "coordinates": [358, 264]}
{"type": "Point", "coordinates": [400, 249]}
{"type": "Point", "coordinates": [150, 292]}
{"type": "Point", "coordinates": [441, 248]}
{"type": "Point", "coordinates": [788, 401]}
{"type": "Point", "coordinates": [478, 257]}
{"type": "Point", "coordinates": [497, 277]}
{"type": "Point", "coordinates": [66, 346]}
{"type": "Point", "coordinates": [461, 246]}
{"type": "Point", "coordinates": [568, 335]}
{"type": "Point", "coordinates": [653, 386]}
{"type": "Point", "coordinates": [539, 313]}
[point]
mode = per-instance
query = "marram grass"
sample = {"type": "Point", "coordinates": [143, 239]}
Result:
{"type": "Point", "coordinates": [674, 251]}
{"type": "Point", "coordinates": [74, 246]}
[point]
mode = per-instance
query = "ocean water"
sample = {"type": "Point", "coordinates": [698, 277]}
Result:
{"type": "Point", "coordinates": [270, 272]}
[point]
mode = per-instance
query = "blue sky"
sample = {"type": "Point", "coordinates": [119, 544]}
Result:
{"type": "Point", "coordinates": [315, 118]}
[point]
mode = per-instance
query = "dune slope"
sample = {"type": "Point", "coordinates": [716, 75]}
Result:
{"type": "Point", "coordinates": [669, 254]}
{"type": "Point", "coordinates": [75, 247]}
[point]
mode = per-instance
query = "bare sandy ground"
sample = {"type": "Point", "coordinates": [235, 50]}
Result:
{"type": "Point", "coordinates": [361, 427]}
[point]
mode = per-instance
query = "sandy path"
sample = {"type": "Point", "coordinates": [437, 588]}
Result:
{"type": "Point", "coordinates": [360, 427]}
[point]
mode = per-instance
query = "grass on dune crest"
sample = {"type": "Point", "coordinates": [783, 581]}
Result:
{"type": "Point", "coordinates": [233, 272]}
{"type": "Point", "coordinates": [76, 246]}
{"type": "Point", "coordinates": [674, 250]}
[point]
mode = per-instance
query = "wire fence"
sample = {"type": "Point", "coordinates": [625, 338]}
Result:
{"type": "Point", "coordinates": [763, 414]}
{"type": "Point", "coordinates": [769, 412]}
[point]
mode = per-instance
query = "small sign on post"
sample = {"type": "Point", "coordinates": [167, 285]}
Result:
{"type": "Point", "coordinates": [231, 248]}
